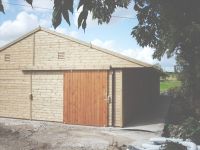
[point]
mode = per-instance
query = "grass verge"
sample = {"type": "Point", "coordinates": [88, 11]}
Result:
{"type": "Point", "coordinates": [169, 84]}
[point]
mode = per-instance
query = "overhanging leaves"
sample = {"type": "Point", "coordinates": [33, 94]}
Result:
{"type": "Point", "coordinates": [100, 10]}
{"type": "Point", "coordinates": [61, 8]}
{"type": "Point", "coordinates": [1, 7]}
{"type": "Point", "coordinates": [67, 5]}
{"type": "Point", "coordinates": [81, 3]}
{"type": "Point", "coordinates": [57, 18]}
{"type": "Point", "coordinates": [82, 19]}
{"type": "Point", "coordinates": [65, 14]}
{"type": "Point", "coordinates": [30, 2]}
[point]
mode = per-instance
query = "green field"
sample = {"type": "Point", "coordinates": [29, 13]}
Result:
{"type": "Point", "coordinates": [169, 84]}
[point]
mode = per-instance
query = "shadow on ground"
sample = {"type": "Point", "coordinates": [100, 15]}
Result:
{"type": "Point", "coordinates": [149, 118]}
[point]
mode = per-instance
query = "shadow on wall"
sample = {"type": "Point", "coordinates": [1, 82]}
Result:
{"type": "Point", "coordinates": [142, 103]}
{"type": "Point", "coordinates": [157, 113]}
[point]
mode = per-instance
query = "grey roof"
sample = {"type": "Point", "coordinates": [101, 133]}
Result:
{"type": "Point", "coordinates": [142, 64]}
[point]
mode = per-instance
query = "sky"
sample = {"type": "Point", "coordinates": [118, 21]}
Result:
{"type": "Point", "coordinates": [115, 36]}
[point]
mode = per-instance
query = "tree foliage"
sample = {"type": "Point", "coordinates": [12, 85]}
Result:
{"type": "Point", "coordinates": [30, 2]}
{"type": "Point", "coordinates": [166, 25]}
{"type": "Point", "coordinates": [1, 7]}
{"type": "Point", "coordinates": [173, 28]}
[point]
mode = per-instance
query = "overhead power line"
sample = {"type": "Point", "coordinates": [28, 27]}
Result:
{"type": "Point", "coordinates": [123, 17]}
{"type": "Point", "coordinates": [37, 7]}
{"type": "Point", "coordinates": [23, 5]}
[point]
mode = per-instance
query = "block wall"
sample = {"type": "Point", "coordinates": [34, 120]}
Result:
{"type": "Point", "coordinates": [117, 102]}
{"type": "Point", "coordinates": [21, 55]}
{"type": "Point", "coordinates": [14, 94]}
{"type": "Point", "coordinates": [47, 89]}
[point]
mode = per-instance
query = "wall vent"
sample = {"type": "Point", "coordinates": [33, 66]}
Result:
{"type": "Point", "coordinates": [7, 57]}
{"type": "Point", "coordinates": [61, 55]}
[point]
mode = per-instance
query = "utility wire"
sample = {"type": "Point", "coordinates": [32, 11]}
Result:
{"type": "Point", "coordinates": [37, 7]}
{"type": "Point", "coordinates": [23, 5]}
{"type": "Point", "coordinates": [123, 17]}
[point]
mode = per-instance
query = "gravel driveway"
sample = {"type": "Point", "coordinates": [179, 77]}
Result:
{"type": "Point", "coordinates": [16, 134]}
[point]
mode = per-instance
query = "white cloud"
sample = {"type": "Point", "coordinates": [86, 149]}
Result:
{"type": "Point", "coordinates": [62, 30]}
{"type": "Point", "coordinates": [74, 34]}
{"type": "Point", "coordinates": [143, 54]}
{"type": "Point", "coordinates": [104, 44]}
{"type": "Point", "coordinates": [59, 30]}
{"type": "Point", "coordinates": [23, 23]}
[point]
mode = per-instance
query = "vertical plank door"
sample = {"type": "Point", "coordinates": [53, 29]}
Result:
{"type": "Point", "coordinates": [85, 98]}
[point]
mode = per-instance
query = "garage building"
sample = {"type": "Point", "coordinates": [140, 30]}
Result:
{"type": "Point", "coordinates": [49, 76]}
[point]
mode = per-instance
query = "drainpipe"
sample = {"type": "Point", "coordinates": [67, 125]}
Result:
{"type": "Point", "coordinates": [31, 96]}
{"type": "Point", "coordinates": [31, 78]}
{"type": "Point", "coordinates": [113, 96]}
{"type": "Point", "coordinates": [33, 50]}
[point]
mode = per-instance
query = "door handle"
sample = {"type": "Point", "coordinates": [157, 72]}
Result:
{"type": "Point", "coordinates": [108, 99]}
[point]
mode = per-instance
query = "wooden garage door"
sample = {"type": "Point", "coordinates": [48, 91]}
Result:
{"type": "Point", "coordinates": [85, 98]}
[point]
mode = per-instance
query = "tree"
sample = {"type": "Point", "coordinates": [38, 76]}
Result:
{"type": "Point", "coordinates": [173, 28]}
